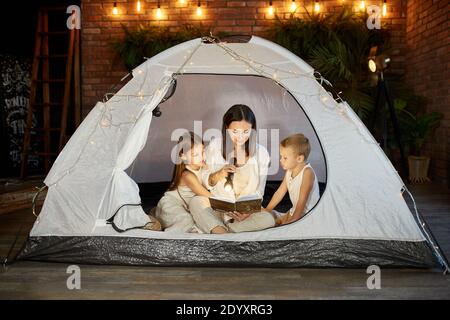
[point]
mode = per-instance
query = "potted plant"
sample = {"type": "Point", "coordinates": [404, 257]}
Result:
{"type": "Point", "coordinates": [416, 128]}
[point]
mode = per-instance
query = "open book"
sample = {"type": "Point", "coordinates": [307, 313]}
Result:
{"type": "Point", "coordinates": [242, 204]}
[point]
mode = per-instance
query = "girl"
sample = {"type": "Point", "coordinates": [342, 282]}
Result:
{"type": "Point", "coordinates": [173, 208]}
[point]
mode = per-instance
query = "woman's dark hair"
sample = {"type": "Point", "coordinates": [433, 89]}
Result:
{"type": "Point", "coordinates": [239, 112]}
{"type": "Point", "coordinates": [185, 143]}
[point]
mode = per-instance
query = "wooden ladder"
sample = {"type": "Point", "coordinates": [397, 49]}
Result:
{"type": "Point", "coordinates": [40, 80]}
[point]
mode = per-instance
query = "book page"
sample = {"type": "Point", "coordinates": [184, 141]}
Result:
{"type": "Point", "coordinates": [249, 197]}
{"type": "Point", "coordinates": [225, 199]}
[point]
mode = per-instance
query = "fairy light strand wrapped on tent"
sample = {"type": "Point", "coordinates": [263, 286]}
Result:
{"type": "Point", "coordinates": [361, 218]}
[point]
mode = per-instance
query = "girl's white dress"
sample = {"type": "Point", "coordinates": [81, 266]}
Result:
{"type": "Point", "coordinates": [171, 209]}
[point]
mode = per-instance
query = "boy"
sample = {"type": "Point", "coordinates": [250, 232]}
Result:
{"type": "Point", "coordinates": [300, 180]}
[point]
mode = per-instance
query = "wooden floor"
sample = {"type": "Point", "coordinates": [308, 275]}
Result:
{"type": "Point", "coordinates": [34, 280]}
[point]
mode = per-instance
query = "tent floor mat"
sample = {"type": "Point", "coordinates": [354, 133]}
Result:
{"type": "Point", "coordinates": [350, 253]}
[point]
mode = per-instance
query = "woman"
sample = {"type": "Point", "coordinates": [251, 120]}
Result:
{"type": "Point", "coordinates": [249, 168]}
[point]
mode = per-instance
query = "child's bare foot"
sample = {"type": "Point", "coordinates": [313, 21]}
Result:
{"type": "Point", "coordinates": [153, 225]}
{"type": "Point", "coordinates": [219, 230]}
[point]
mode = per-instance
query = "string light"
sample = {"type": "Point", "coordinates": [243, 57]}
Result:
{"type": "Point", "coordinates": [138, 6]}
{"type": "Point", "coordinates": [106, 120]}
{"type": "Point", "coordinates": [182, 1]}
{"type": "Point", "coordinates": [362, 5]}
{"type": "Point", "coordinates": [317, 6]}
{"type": "Point", "coordinates": [384, 9]}
{"type": "Point", "coordinates": [270, 11]}
{"type": "Point", "coordinates": [293, 6]}
{"type": "Point", "coordinates": [115, 11]}
{"type": "Point", "coordinates": [234, 54]}
{"type": "Point", "coordinates": [159, 11]}
{"type": "Point", "coordinates": [199, 9]}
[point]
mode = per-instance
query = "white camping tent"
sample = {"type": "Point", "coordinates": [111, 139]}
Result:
{"type": "Point", "coordinates": [361, 218]}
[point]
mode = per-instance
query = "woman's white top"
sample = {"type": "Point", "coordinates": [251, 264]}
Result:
{"type": "Point", "coordinates": [248, 179]}
{"type": "Point", "coordinates": [241, 179]}
{"type": "Point", "coordinates": [294, 185]}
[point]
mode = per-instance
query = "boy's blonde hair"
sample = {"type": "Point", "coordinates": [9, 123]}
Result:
{"type": "Point", "coordinates": [299, 143]}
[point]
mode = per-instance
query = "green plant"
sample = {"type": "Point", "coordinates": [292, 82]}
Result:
{"type": "Point", "coordinates": [416, 127]}
{"type": "Point", "coordinates": [147, 41]}
{"type": "Point", "coordinates": [337, 45]}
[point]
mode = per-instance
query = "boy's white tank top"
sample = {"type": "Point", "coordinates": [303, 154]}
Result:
{"type": "Point", "coordinates": [294, 185]}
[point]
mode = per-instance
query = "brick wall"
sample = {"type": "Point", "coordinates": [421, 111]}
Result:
{"type": "Point", "coordinates": [418, 28]}
{"type": "Point", "coordinates": [419, 31]}
{"type": "Point", "coordinates": [100, 71]}
{"type": "Point", "coordinates": [428, 56]}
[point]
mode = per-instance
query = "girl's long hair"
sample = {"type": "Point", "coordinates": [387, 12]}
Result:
{"type": "Point", "coordinates": [185, 143]}
{"type": "Point", "coordinates": [239, 112]}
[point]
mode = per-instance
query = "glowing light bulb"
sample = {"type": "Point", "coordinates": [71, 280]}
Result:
{"type": "Point", "coordinates": [384, 9]}
{"type": "Point", "coordinates": [317, 7]}
{"type": "Point", "coordinates": [199, 9]}
{"type": "Point", "coordinates": [182, 1]}
{"type": "Point", "coordinates": [271, 10]}
{"type": "Point", "coordinates": [293, 6]}
{"type": "Point", "coordinates": [159, 12]}
{"type": "Point", "coordinates": [115, 11]}
{"type": "Point", "coordinates": [105, 123]}
{"type": "Point", "coordinates": [138, 6]}
{"type": "Point", "coordinates": [362, 5]}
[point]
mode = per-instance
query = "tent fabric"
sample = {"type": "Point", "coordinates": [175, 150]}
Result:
{"type": "Point", "coordinates": [123, 189]}
{"type": "Point", "coordinates": [175, 252]}
{"type": "Point", "coordinates": [194, 98]}
{"type": "Point", "coordinates": [89, 182]}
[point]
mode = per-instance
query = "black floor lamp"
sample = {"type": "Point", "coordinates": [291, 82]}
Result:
{"type": "Point", "coordinates": [377, 65]}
